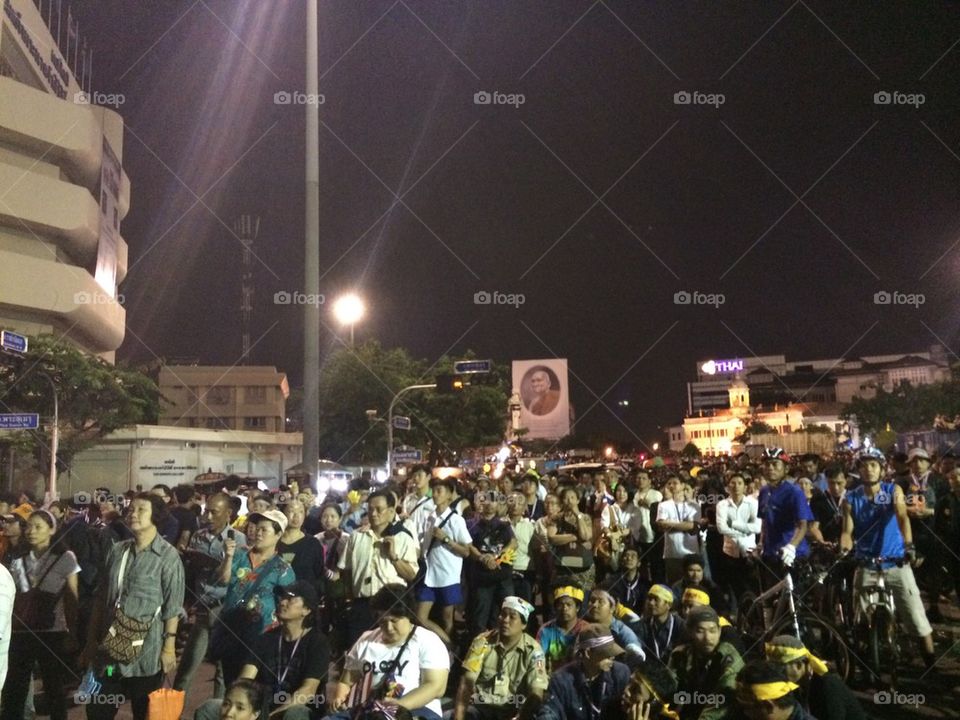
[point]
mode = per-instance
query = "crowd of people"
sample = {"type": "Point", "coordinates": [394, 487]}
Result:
{"type": "Point", "coordinates": [602, 595]}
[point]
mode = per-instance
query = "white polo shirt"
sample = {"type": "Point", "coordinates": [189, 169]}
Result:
{"type": "Point", "coordinates": [678, 543]}
{"type": "Point", "coordinates": [443, 564]}
{"type": "Point", "coordinates": [368, 567]}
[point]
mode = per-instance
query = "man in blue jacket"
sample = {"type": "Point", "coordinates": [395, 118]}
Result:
{"type": "Point", "coordinates": [593, 685]}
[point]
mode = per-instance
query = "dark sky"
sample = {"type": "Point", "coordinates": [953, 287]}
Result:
{"type": "Point", "coordinates": [598, 198]}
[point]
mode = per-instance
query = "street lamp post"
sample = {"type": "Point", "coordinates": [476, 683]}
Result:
{"type": "Point", "coordinates": [390, 421]}
{"type": "Point", "coordinates": [311, 255]}
{"type": "Point", "coordinates": [54, 440]}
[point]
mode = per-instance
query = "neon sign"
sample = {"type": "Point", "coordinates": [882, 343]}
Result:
{"type": "Point", "coordinates": [712, 367]}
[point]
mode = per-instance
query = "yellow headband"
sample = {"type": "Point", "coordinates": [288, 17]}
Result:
{"type": "Point", "coordinates": [770, 690]}
{"type": "Point", "coordinates": [785, 654]}
{"type": "Point", "coordinates": [699, 595]}
{"type": "Point", "coordinates": [568, 591]}
{"type": "Point", "coordinates": [662, 592]}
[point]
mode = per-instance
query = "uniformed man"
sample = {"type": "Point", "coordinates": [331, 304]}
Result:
{"type": "Point", "coordinates": [706, 668]}
{"type": "Point", "coordinates": [823, 693]}
{"type": "Point", "coordinates": [505, 673]}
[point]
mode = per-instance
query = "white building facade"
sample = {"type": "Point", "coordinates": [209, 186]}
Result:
{"type": "Point", "coordinates": [63, 191]}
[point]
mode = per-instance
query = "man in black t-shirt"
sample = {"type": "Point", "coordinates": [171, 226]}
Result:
{"type": "Point", "coordinates": [185, 512]}
{"type": "Point", "coordinates": [491, 562]}
{"type": "Point", "coordinates": [290, 662]}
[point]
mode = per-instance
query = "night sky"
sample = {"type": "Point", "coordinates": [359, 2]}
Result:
{"type": "Point", "coordinates": [598, 198]}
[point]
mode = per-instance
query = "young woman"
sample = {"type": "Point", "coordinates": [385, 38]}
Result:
{"type": "Point", "coordinates": [398, 664]}
{"type": "Point", "coordinates": [244, 701]}
{"type": "Point", "coordinates": [333, 540]}
{"type": "Point", "coordinates": [304, 553]}
{"type": "Point", "coordinates": [571, 536]}
{"type": "Point", "coordinates": [45, 618]}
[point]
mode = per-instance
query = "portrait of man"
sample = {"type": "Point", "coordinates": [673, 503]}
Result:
{"type": "Point", "coordinates": [540, 390]}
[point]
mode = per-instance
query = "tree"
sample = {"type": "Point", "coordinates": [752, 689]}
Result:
{"type": "Point", "coordinates": [690, 450]}
{"type": "Point", "coordinates": [367, 378]}
{"type": "Point", "coordinates": [94, 397]}
{"type": "Point", "coordinates": [755, 427]}
{"type": "Point", "coordinates": [907, 407]}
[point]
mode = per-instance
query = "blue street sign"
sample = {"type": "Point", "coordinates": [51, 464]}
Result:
{"type": "Point", "coordinates": [19, 421]}
{"type": "Point", "coordinates": [401, 422]}
{"type": "Point", "coordinates": [13, 341]}
{"type": "Point", "coordinates": [407, 456]}
{"type": "Point", "coordinates": [467, 367]}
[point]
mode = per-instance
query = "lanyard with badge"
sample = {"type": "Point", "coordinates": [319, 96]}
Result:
{"type": "Point", "coordinates": [281, 676]}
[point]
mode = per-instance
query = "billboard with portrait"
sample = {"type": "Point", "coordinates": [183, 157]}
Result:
{"type": "Point", "coordinates": [544, 397]}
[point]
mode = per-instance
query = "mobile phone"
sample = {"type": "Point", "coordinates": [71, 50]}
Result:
{"type": "Point", "coordinates": [231, 534]}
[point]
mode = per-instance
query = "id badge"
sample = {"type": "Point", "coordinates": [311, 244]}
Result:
{"type": "Point", "coordinates": [501, 687]}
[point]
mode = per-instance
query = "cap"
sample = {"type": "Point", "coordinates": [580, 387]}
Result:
{"type": "Point", "coordinates": [599, 641]}
{"type": "Point", "coordinates": [272, 514]}
{"type": "Point", "coordinates": [301, 589]}
{"type": "Point", "coordinates": [917, 452]}
{"type": "Point", "coordinates": [519, 605]}
{"type": "Point", "coordinates": [702, 614]}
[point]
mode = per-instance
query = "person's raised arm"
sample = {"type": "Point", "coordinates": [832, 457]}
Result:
{"type": "Point", "coordinates": [846, 534]}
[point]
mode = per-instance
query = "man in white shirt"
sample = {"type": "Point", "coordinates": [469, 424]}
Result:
{"type": "Point", "coordinates": [645, 497]}
{"type": "Point", "coordinates": [678, 519]}
{"type": "Point", "coordinates": [371, 560]}
{"type": "Point", "coordinates": [523, 529]}
{"type": "Point", "coordinates": [417, 503]}
{"type": "Point", "coordinates": [738, 523]}
{"type": "Point", "coordinates": [445, 544]}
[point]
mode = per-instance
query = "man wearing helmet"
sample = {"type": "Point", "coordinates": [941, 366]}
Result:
{"type": "Point", "coordinates": [784, 513]}
{"type": "Point", "coordinates": [875, 525]}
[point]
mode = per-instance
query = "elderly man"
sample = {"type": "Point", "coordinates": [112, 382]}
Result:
{"type": "Point", "coordinates": [593, 686]}
{"type": "Point", "coordinates": [545, 398]}
{"type": "Point", "coordinates": [505, 671]}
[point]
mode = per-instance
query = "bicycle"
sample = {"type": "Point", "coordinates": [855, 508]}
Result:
{"type": "Point", "coordinates": [760, 623]}
{"type": "Point", "coordinates": [875, 621]}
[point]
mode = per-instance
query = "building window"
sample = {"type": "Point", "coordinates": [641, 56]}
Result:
{"type": "Point", "coordinates": [255, 394]}
{"type": "Point", "coordinates": [218, 396]}
{"type": "Point", "coordinates": [214, 423]}
{"type": "Point", "coordinates": [254, 423]}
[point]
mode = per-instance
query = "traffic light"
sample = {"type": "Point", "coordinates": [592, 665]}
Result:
{"type": "Point", "coordinates": [448, 384]}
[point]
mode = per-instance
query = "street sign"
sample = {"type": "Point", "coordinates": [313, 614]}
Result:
{"type": "Point", "coordinates": [403, 457]}
{"type": "Point", "coordinates": [19, 421]}
{"type": "Point", "coordinates": [468, 367]}
{"type": "Point", "coordinates": [401, 422]}
{"type": "Point", "coordinates": [13, 341]}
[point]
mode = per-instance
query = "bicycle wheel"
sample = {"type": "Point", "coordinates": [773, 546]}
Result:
{"type": "Point", "coordinates": [883, 653]}
{"type": "Point", "coordinates": [750, 619]}
{"type": "Point", "coordinates": [821, 638]}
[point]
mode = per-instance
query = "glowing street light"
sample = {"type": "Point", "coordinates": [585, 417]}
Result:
{"type": "Point", "coordinates": [656, 446]}
{"type": "Point", "coordinates": [348, 310]}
